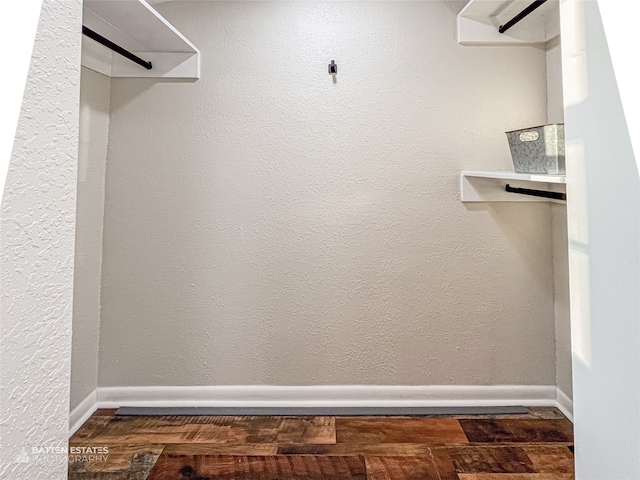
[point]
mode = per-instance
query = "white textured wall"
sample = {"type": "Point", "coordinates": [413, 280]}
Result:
{"type": "Point", "coordinates": [267, 226]}
{"type": "Point", "coordinates": [94, 133]}
{"type": "Point", "coordinates": [604, 253]}
{"type": "Point", "coordinates": [37, 249]}
{"type": "Point", "coordinates": [555, 114]}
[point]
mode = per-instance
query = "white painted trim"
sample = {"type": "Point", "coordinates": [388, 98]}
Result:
{"type": "Point", "coordinates": [82, 412]}
{"type": "Point", "coordinates": [564, 404]}
{"type": "Point", "coordinates": [321, 396]}
{"type": "Point", "coordinates": [326, 396]}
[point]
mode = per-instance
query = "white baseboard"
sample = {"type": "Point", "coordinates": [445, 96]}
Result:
{"type": "Point", "coordinates": [321, 396]}
{"type": "Point", "coordinates": [564, 404]}
{"type": "Point", "coordinates": [326, 396]}
{"type": "Point", "coordinates": [83, 411]}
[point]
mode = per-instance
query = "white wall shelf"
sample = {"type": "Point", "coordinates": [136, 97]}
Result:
{"type": "Point", "coordinates": [485, 186]}
{"type": "Point", "coordinates": [479, 20]}
{"type": "Point", "coordinates": [136, 26]}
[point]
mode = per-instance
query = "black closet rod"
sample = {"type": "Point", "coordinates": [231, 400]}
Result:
{"type": "Point", "coordinates": [520, 16]}
{"type": "Point", "coordinates": [536, 193]}
{"type": "Point", "coordinates": [116, 48]}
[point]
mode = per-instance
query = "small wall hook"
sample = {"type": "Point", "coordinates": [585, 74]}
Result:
{"type": "Point", "coordinates": [333, 68]}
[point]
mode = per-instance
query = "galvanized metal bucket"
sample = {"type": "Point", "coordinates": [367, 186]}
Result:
{"type": "Point", "coordinates": [538, 149]}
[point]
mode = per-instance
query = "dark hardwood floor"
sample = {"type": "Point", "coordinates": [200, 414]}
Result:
{"type": "Point", "coordinates": [534, 446]}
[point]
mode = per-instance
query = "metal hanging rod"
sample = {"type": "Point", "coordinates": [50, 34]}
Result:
{"type": "Point", "coordinates": [521, 15]}
{"type": "Point", "coordinates": [536, 193]}
{"type": "Point", "coordinates": [116, 48]}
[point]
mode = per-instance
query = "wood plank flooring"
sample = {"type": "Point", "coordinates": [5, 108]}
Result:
{"type": "Point", "coordinates": [533, 446]}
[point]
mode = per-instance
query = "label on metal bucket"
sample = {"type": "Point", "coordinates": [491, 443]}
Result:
{"type": "Point", "coordinates": [529, 136]}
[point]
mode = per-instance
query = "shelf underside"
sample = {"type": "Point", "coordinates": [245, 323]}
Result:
{"type": "Point", "coordinates": [135, 26]}
{"type": "Point", "coordinates": [478, 23]}
{"type": "Point", "coordinates": [487, 186]}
